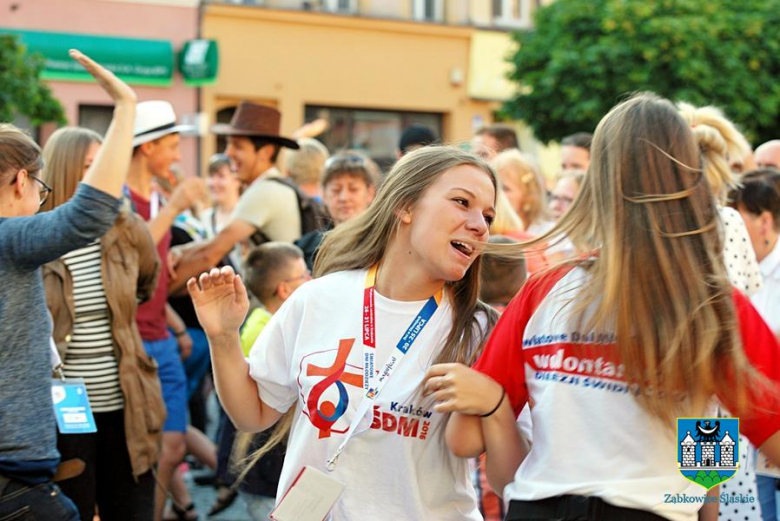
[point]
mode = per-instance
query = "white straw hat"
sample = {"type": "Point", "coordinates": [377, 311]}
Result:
{"type": "Point", "coordinates": [155, 119]}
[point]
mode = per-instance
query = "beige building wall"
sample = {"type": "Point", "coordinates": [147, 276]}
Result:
{"type": "Point", "coordinates": [293, 59]}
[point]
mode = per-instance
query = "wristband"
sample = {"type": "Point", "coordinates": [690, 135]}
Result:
{"type": "Point", "coordinates": [180, 334]}
{"type": "Point", "coordinates": [503, 393]}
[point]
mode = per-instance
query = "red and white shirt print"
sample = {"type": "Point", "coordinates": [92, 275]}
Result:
{"type": "Point", "coordinates": [590, 437]}
{"type": "Point", "coordinates": [310, 357]}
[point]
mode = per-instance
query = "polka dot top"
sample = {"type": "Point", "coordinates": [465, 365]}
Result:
{"type": "Point", "coordinates": [741, 264]}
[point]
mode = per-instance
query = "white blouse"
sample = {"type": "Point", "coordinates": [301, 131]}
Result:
{"type": "Point", "coordinates": [741, 264]}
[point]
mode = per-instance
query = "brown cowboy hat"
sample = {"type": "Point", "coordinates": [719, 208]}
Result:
{"type": "Point", "coordinates": [251, 119]}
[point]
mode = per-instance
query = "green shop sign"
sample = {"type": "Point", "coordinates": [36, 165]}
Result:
{"type": "Point", "coordinates": [199, 62]}
{"type": "Point", "coordinates": [136, 61]}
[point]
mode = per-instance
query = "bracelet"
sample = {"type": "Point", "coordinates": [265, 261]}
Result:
{"type": "Point", "coordinates": [503, 393]}
{"type": "Point", "coordinates": [179, 334]}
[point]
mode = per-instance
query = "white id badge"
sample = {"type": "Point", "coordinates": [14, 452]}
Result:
{"type": "Point", "coordinates": [71, 406]}
{"type": "Point", "coordinates": [310, 498]}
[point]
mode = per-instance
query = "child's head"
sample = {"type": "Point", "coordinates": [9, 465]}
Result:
{"type": "Point", "coordinates": [273, 271]}
{"type": "Point", "coordinates": [502, 277]}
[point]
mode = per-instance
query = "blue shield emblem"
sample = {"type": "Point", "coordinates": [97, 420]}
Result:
{"type": "Point", "coordinates": [708, 449]}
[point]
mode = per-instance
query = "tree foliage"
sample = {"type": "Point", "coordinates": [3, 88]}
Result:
{"type": "Point", "coordinates": [21, 90]}
{"type": "Point", "coordinates": [584, 56]}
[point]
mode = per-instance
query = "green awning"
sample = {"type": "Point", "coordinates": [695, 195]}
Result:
{"type": "Point", "coordinates": [199, 62]}
{"type": "Point", "coordinates": [136, 61]}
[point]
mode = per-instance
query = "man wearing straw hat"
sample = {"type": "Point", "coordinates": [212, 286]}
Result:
{"type": "Point", "coordinates": [155, 150]}
{"type": "Point", "coordinates": [267, 210]}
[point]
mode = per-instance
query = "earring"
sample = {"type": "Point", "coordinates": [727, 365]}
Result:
{"type": "Point", "coordinates": [766, 242]}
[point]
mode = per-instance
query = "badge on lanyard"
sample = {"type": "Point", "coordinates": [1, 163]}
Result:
{"type": "Point", "coordinates": [374, 379]}
{"type": "Point", "coordinates": [71, 406]}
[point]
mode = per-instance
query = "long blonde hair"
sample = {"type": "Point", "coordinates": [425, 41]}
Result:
{"type": "Point", "coordinates": [526, 175]}
{"type": "Point", "coordinates": [64, 155]}
{"type": "Point", "coordinates": [658, 280]}
{"type": "Point", "coordinates": [361, 242]}
{"type": "Point", "coordinates": [719, 142]}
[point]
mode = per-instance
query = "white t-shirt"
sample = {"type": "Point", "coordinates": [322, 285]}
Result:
{"type": "Point", "coordinates": [590, 436]}
{"type": "Point", "coordinates": [400, 467]}
{"type": "Point", "coordinates": [271, 207]}
{"type": "Point", "coordinates": [767, 299]}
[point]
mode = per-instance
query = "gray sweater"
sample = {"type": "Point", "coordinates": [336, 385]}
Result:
{"type": "Point", "coordinates": [28, 440]}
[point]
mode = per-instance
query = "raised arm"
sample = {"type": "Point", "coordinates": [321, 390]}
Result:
{"type": "Point", "coordinates": [199, 257]}
{"type": "Point", "coordinates": [221, 303]}
{"type": "Point", "coordinates": [109, 169]}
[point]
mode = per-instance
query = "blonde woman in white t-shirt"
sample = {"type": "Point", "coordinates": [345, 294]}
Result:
{"type": "Point", "coordinates": [610, 350]}
{"type": "Point", "coordinates": [396, 291]}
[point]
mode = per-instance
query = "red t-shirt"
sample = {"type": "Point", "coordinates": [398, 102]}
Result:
{"type": "Point", "coordinates": [151, 314]}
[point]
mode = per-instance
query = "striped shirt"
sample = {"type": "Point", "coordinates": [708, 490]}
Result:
{"type": "Point", "coordinates": [91, 349]}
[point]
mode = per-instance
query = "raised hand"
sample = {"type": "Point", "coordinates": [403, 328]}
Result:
{"type": "Point", "coordinates": [220, 301]}
{"type": "Point", "coordinates": [116, 88]}
{"type": "Point", "coordinates": [187, 193]}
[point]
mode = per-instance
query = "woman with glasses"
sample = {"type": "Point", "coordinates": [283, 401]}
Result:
{"type": "Point", "coordinates": [93, 294]}
{"type": "Point", "coordinates": [28, 452]}
{"type": "Point", "coordinates": [395, 291]}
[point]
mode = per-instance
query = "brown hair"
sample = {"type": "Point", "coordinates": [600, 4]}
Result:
{"type": "Point", "coordinates": [659, 280]}
{"type": "Point", "coordinates": [18, 151]}
{"type": "Point", "coordinates": [501, 277]}
{"type": "Point", "coordinates": [350, 162]}
{"type": "Point", "coordinates": [361, 242]}
{"type": "Point", "coordinates": [64, 155]}
{"type": "Point", "coordinates": [504, 134]}
{"type": "Point", "coordinates": [266, 266]}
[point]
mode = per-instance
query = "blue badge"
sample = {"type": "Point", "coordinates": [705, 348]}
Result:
{"type": "Point", "coordinates": [71, 406]}
{"type": "Point", "coordinates": [708, 449]}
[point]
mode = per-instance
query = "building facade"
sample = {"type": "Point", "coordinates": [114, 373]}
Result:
{"type": "Point", "coordinates": [139, 37]}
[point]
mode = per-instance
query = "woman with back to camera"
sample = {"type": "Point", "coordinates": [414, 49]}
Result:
{"type": "Point", "coordinates": [655, 327]}
{"type": "Point", "coordinates": [407, 260]}
{"type": "Point", "coordinates": [27, 241]}
{"type": "Point", "coordinates": [93, 293]}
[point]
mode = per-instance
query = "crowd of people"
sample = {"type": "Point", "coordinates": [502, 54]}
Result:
{"type": "Point", "coordinates": [390, 336]}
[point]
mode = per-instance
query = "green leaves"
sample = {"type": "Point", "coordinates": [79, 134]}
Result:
{"type": "Point", "coordinates": [583, 56]}
{"type": "Point", "coordinates": [21, 91]}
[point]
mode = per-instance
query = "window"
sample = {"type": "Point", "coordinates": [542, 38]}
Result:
{"type": "Point", "coordinates": [373, 132]}
{"type": "Point", "coordinates": [428, 10]}
{"type": "Point", "coordinates": [513, 13]}
{"type": "Point", "coordinates": [340, 6]}
{"type": "Point", "coordinates": [96, 117]}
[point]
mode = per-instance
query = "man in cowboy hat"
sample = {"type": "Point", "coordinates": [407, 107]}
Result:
{"type": "Point", "coordinates": [155, 149]}
{"type": "Point", "coordinates": [267, 210]}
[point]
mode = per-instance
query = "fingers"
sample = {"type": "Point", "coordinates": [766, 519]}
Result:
{"type": "Point", "coordinates": [440, 370]}
{"type": "Point", "coordinates": [238, 285]}
{"type": "Point", "coordinates": [192, 286]}
{"type": "Point", "coordinates": [116, 88]}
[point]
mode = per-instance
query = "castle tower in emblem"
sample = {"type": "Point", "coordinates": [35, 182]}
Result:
{"type": "Point", "coordinates": [688, 451]}
{"type": "Point", "coordinates": [727, 451]}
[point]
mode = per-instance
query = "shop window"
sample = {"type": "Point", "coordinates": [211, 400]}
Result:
{"type": "Point", "coordinates": [96, 117]}
{"type": "Point", "coordinates": [428, 10]}
{"type": "Point", "coordinates": [373, 132]}
{"type": "Point", "coordinates": [340, 6]}
{"type": "Point", "coordinates": [513, 13]}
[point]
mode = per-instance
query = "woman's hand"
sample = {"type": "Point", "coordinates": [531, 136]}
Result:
{"type": "Point", "coordinates": [457, 388]}
{"type": "Point", "coordinates": [119, 91]}
{"type": "Point", "coordinates": [220, 300]}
